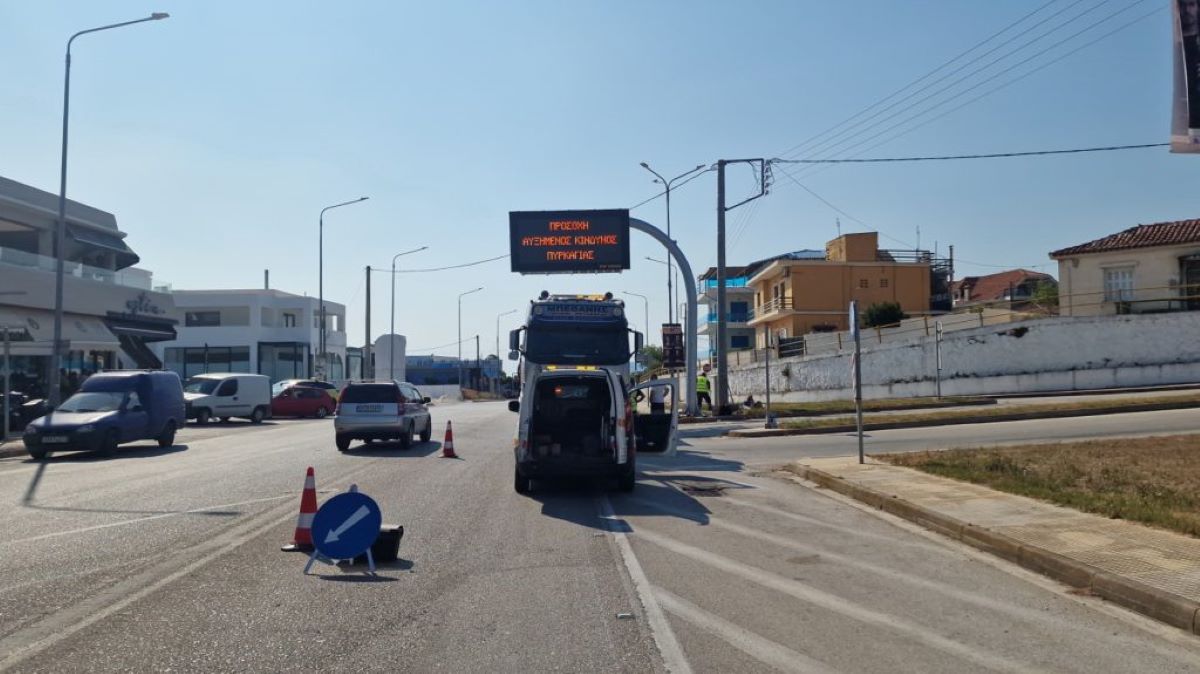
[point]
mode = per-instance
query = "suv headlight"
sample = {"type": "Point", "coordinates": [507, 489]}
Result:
{"type": "Point", "coordinates": [86, 428]}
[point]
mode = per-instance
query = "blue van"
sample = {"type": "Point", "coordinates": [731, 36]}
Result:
{"type": "Point", "coordinates": [111, 408]}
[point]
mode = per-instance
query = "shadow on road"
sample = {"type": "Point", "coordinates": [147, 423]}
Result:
{"type": "Point", "coordinates": [357, 573]}
{"type": "Point", "coordinates": [576, 501]}
{"type": "Point", "coordinates": [394, 450]}
{"type": "Point", "coordinates": [688, 460]}
{"type": "Point", "coordinates": [123, 452]}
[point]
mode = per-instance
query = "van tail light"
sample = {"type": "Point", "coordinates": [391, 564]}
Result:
{"type": "Point", "coordinates": [400, 405]}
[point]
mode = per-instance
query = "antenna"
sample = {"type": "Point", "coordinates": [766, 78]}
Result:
{"type": "Point", "coordinates": [839, 226]}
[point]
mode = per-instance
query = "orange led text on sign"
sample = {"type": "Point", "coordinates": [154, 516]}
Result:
{"type": "Point", "coordinates": [555, 239]}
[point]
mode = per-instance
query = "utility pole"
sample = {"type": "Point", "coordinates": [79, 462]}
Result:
{"type": "Point", "coordinates": [367, 348]}
{"type": "Point", "coordinates": [478, 370]}
{"type": "Point", "coordinates": [722, 311]}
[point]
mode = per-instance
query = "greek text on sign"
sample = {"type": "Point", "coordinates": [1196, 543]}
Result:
{"type": "Point", "coordinates": [565, 242]}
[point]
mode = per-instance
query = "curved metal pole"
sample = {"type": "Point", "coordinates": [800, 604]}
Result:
{"type": "Point", "coordinates": [689, 282]}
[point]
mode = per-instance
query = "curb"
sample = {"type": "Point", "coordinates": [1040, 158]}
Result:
{"type": "Point", "coordinates": [808, 415]}
{"type": "Point", "coordinates": [1166, 607]}
{"type": "Point", "coordinates": [17, 449]}
{"type": "Point", "coordinates": [955, 421]}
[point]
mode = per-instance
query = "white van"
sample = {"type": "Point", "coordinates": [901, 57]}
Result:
{"type": "Point", "coordinates": [227, 394]}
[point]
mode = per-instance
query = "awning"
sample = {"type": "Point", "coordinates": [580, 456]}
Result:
{"type": "Point", "coordinates": [145, 329]}
{"type": "Point", "coordinates": [79, 331]}
{"type": "Point", "coordinates": [109, 242]}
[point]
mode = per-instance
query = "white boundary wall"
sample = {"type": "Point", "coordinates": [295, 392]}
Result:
{"type": "Point", "coordinates": [1049, 354]}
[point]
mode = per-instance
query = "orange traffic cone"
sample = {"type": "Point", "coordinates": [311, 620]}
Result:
{"type": "Point", "coordinates": [448, 445]}
{"type": "Point", "coordinates": [302, 541]}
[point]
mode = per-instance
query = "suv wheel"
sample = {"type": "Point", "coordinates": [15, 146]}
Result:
{"type": "Point", "coordinates": [406, 437]}
{"type": "Point", "coordinates": [343, 442]}
{"type": "Point", "coordinates": [167, 437]}
{"type": "Point", "coordinates": [427, 433]}
{"type": "Point", "coordinates": [322, 412]}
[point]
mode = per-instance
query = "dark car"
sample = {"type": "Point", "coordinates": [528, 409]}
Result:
{"type": "Point", "coordinates": [302, 401]}
{"type": "Point", "coordinates": [111, 408]}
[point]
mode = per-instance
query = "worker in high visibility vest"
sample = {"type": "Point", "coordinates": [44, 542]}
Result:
{"type": "Point", "coordinates": [702, 393]}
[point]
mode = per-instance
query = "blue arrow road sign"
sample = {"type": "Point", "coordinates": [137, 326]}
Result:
{"type": "Point", "coordinates": [346, 526]}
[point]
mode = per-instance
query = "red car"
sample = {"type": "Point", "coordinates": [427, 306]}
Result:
{"type": "Point", "coordinates": [302, 401]}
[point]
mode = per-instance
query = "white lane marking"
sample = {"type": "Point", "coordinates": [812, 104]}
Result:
{"type": "Point", "coordinates": [891, 540]}
{"type": "Point", "coordinates": [664, 637]}
{"type": "Point", "coordinates": [947, 590]}
{"type": "Point", "coordinates": [138, 520]}
{"type": "Point", "coordinates": [835, 603]}
{"type": "Point", "coordinates": [764, 650]}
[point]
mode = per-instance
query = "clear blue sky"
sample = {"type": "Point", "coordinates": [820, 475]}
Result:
{"type": "Point", "coordinates": [216, 136]}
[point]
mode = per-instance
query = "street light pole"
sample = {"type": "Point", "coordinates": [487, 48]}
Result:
{"type": "Point", "coordinates": [670, 275]}
{"type": "Point", "coordinates": [392, 329]}
{"type": "Point", "coordinates": [460, 370]}
{"type": "Point", "coordinates": [60, 228]}
{"type": "Point", "coordinates": [646, 306]}
{"type": "Point", "coordinates": [321, 355]}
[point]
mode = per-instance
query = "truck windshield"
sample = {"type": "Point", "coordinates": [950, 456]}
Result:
{"type": "Point", "coordinates": [574, 345]}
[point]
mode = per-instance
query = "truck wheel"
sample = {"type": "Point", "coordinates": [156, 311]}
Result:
{"type": "Point", "coordinates": [167, 437]}
{"type": "Point", "coordinates": [343, 442]}
{"type": "Point", "coordinates": [427, 433]}
{"type": "Point", "coordinates": [256, 417]}
{"type": "Point", "coordinates": [628, 479]}
{"type": "Point", "coordinates": [203, 416]}
{"type": "Point", "coordinates": [521, 484]}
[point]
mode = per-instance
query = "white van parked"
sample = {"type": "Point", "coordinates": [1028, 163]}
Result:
{"type": "Point", "coordinates": [227, 394]}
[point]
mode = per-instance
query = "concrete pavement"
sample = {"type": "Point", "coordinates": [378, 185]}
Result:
{"type": "Point", "coordinates": [155, 560]}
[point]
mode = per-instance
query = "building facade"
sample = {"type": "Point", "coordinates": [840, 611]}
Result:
{"type": "Point", "coordinates": [793, 297]}
{"type": "Point", "coordinates": [113, 311]}
{"type": "Point", "coordinates": [1143, 269]}
{"type": "Point", "coordinates": [1012, 286]}
{"type": "Point", "coordinates": [267, 332]}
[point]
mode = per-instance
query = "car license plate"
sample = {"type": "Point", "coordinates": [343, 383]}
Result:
{"type": "Point", "coordinates": [368, 409]}
{"type": "Point", "coordinates": [54, 439]}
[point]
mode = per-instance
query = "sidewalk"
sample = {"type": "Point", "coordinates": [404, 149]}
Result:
{"type": "Point", "coordinates": [1151, 571]}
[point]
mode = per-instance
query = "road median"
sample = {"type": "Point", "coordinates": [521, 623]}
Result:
{"type": "Point", "coordinates": [1126, 563]}
{"type": "Point", "coordinates": [950, 418]}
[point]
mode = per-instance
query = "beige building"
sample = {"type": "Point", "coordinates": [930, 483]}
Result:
{"type": "Point", "coordinates": [1147, 268]}
{"type": "Point", "coordinates": [794, 297]}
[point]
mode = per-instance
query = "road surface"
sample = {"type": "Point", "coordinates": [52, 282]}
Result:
{"type": "Point", "coordinates": [169, 559]}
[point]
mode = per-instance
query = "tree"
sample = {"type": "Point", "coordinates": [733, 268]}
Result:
{"type": "Point", "coordinates": [883, 313]}
{"type": "Point", "coordinates": [1045, 294]}
{"type": "Point", "coordinates": [652, 357]}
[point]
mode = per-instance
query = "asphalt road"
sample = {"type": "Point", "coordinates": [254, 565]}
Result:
{"type": "Point", "coordinates": [169, 560]}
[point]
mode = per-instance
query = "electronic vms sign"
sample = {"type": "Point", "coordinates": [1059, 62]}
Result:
{"type": "Point", "coordinates": [569, 242]}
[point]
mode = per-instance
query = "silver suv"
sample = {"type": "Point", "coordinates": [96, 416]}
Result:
{"type": "Point", "coordinates": [381, 411]}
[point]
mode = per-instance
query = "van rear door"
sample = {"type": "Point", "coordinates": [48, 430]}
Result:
{"type": "Point", "coordinates": [656, 431]}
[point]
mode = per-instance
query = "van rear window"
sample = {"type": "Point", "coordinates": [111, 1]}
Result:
{"type": "Point", "coordinates": [371, 393]}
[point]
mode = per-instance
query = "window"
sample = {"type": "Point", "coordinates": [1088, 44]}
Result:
{"type": "Point", "coordinates": [202, 319]}
{"type": "Point", "coordinates": [229, 387]}
{"type": "Point", "coordinates": [1118, 284]}
{"type": "Point", "coordinates": [133, 403]}
{"type": "Point", "coordinates": [864, 283]}
{"type": "Point", "coordinates": [289, 320]}
{"type": "Point", "coordinates": [739, 342]}
{"type": "Point", "coordinates": [883, 283]}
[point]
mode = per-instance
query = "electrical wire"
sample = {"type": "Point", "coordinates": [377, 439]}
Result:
{"type": "Point", "coordinates": [664, 192]}
{"type": "Point", "coordinates": [994, 76]}
{"type": "Point", "coordinates": [443, 346]}
{"type": "Point", "coordinates": [1036, 153]}
{"type": "Point", "coordinates": [455, 266]}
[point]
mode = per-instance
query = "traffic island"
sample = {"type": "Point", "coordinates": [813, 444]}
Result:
{"type": "Point", "coordinates": [1152, 571]}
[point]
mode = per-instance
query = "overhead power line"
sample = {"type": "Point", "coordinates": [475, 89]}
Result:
{"type": "Point", "coordinates": [453, 266]}
{"type": "Point", "coordinates": [1036, 153]}
{"type": "Point", "coordinates": [443, 346]}
{"type": "Point", "coordinates": [664, 192]}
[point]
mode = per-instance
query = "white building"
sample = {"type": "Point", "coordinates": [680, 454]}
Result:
{"type": "Point", "coordinates": [263, 331]}
{"type": "Point", "coordinates": [112, 310]}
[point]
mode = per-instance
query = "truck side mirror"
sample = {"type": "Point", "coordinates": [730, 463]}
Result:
{"type": "Point", "coordinates": [514, 341]}
{"type": "Point", "coordinates": [638, 342]}
{"type": "Point", "coordinates": [514, 406]}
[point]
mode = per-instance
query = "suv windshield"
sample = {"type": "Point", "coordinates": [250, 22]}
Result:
{"type": "Point", "coordinates": [198, 385]}
{"type": "Point", "coordinates": [371, 393]}
{"type": "Point", "coordinates": [95, 401]}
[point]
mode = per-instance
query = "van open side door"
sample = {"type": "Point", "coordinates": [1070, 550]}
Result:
{"type": "Point", "coordinates": [657, 431]}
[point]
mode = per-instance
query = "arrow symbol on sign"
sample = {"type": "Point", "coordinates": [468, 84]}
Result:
{"type": "Point", "coordinates": [362, 512]}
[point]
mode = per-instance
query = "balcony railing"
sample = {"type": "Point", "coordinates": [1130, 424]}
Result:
{"type": "Point", "coordinates": [730, 282]}
{"type": "Point", "coordinates": [770, 306]}
{"type": "Point", "coordinates": [731, 317]}
{"type": "Point", "coordinates": [20, 258]}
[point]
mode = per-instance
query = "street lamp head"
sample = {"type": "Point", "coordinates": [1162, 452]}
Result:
{"type": "Point", "coordinates": [363, 198]}
{"type": "Point", "coordinates": [159, 16]}
{"type": "Point", "coordinates": [645, 165]}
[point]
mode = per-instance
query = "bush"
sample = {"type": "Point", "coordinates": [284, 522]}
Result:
{"type": "Point", "coordinates": [883, 313]}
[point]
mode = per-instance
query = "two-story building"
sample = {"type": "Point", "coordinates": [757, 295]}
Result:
{"type": "Point", "coordinates": [1147, 268]}
{"type": "Point", "coordinates": [265, 331]}
{"type": "Point", "coordinates": [111, 310]}
{"type": "Point", "coordinates": [1013, 286]}
{"type": "Point", "coordinates": [793, 297]}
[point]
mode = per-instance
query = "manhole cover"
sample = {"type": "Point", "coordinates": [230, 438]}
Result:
{"type": "Point", "coordinates": [703, 489]}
